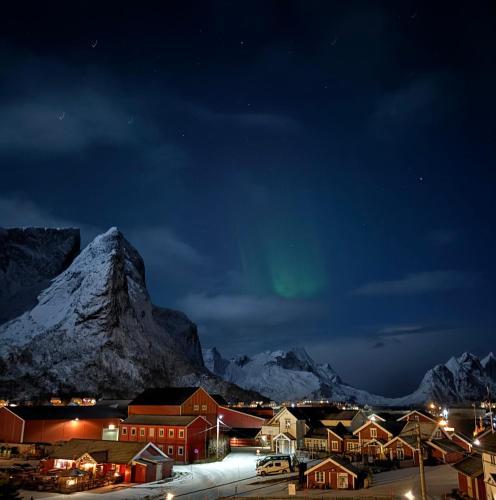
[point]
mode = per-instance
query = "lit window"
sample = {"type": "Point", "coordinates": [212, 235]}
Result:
{"type": "Point", "coordinates": [180, 450]}
{"type": "Point", "coordinates": [319, 477]}
{"type": "Point", "coordinates": [204, 407]}
{"type": "Point", "coordinates": [373, 432]}
{"type": "Point", "coordinates": [142, 432]}
{"type": "Point", "coordinates": [342, 481]}
{"type": "Point", "coordinates": [171, 433]}
{"type": "Point", "coordinates": [181, 433]}
{"type": "Point", "coordinates": [161, 433]}
{"type": "Point", "coordinates": [196, 407]}
{"type": "Point", "coordinates": [335, 446]}
{"type": "Point", "coordinates": [151, 432]}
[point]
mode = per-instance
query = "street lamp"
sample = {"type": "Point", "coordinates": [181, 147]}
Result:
{"type": "Point", "coordinates": [219, 420]}
{"type": "Point", "coordinates": [409, 495]}
{"type": "Point", "coordinates": [169, 496]}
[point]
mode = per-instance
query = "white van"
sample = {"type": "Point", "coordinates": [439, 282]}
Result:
{"type": "Point", "coordinates": [273, 467]}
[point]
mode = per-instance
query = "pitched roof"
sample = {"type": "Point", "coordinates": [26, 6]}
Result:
{"type": "Point", "coordinates": [317, 433]}
{"type": "Point", "coordinates": [421, 412]}
{"type": "Point", "coordinates": [339, 430]}
{"type": "Point", "coordinates": [345, 464]}
{"type": "Point", "coordinates": [410, 441]}
{"type": "Point", "coordinates": [117, 452]}
{"type": "Point", "coordinates": [183, 420]}
{"type": "Point", "coordinates": [309, 413]}
{"type": "Point", "coordinates": [470, 466]}
{"type": "Point", "coordinates": [66, 412]}
{"type": "Point", "coordinates": [164, 396]}
{"type": "Point", "coordinates": [487, 443]}
{"type": "Point", "coordinates": [446, 446]}
{"type": "Point", "coordinates": [393, 428]}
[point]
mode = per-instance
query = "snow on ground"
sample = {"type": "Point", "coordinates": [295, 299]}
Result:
{"type": "Point", "coordinates": [235, 475]}
{"type": "Point", "coordinates": [196, 481]}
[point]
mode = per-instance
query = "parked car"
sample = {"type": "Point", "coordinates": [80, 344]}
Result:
{"type": "Point", "coordinates": [276, 466]}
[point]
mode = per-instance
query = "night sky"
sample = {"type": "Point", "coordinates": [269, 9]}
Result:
{"type": "Point", "coordinates": [318, 174]}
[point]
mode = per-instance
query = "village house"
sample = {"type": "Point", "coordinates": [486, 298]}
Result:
{"type": "Point", "coordinates": [471, 477]}
{"type": "Point", "coordinates": [53, 424]}
{"type": "Point", "coordinates": [487, 447]}
{"type": "Point", "coordinates": [418, 416]}
{"type": "Point", "coordinates": [304, 427]}
{"type": "Point", "coordinates": [181, 421]}
{"type": "Point", "coordinates": [334, 473]}
{"type": "Point", "coordinates": [373, 436]}
{"type": "Point", "coordinates": [134, 462]}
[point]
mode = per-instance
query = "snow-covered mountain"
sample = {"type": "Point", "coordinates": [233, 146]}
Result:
{"type": "Point", "coordinates": [29, 259]}
{"type": "Point", "coordinates": [286, 375]}
{"type": "Point", "coordinates": [94, 329]}
{"type": "Point", "coordinates": [461, 379]}
{"type": "Point", "coordinates": [293, 375]}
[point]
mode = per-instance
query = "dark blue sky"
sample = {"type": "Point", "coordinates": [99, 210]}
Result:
{"type": "Point", "coordinates": [293, 173]}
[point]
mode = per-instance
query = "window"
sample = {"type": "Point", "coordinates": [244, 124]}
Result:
{"type": "Point", "coordinates": [319, 477]}
{"type": "Point", "coordinates": [180, 450]}
{"type": "Point", "coordinates": [437, 435]}
{"type": "Point", "coordinates": [400, 454]}
{"type": "Point", "coordinates": [181, 433]}
{"type": "Point", "coordinates": [161, 433]}
{"type": "Point", "coordinates": [353, 446]}
{"type": "Point", "coordinates": [171, 433]}
{"type": "Point", "coordinates": [170, 450]}
{"type": "Point", "coordinates": [196, 407]}
{"type": "Point", "coordinates": [335, 446]}
{"type": "Point", "coordinates": [124, 431]}
{"type": "Point", "coordinates": [342, 481]}
{"type": "Point", "coordinates": [142, 432]}
{"type": "Point", "coordinates": [133, 431]}
{"type": "Point", "coordinates": [204, 407]}
{"type": "Point", "coordinates": [151, 432]}
{"type": "Point", "coordinates": [287, 423]}
{"type": "Point", "coordinates": [373, 432]}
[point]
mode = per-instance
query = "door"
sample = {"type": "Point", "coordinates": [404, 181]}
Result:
{"type": "Point", "coordinates": [159, 472]}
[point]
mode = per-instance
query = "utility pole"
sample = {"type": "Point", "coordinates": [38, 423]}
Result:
{"type": "Point", "coordinates": [421, 463]}
{"type": "Point", "coordinates": [217, 447]}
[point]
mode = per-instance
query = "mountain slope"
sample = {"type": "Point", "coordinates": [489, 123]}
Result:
{"type": "Point", "coordinates": [29, 259]}
{"type": "Point", "coordinates": [285, 376]}
{"type": "Point", "coordinates": [95, 329]}
{"type": "Point", "coordinates": [293, 375]}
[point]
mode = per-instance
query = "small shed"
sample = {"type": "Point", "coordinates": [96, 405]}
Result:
{"type": "Point", "coordinates": [135, 462]}
{"type": "Point", "coordinates": [334, 473]}
{"type": "Point", "coordinates": [471, 477]}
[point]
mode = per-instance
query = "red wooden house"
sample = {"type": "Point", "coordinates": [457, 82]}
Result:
{"type": "Point", "coordinates": [135, 462]}
{"type": "Point", "coordinates": [471, 477]}
{"type": "Point", "coordinates": [373, 435]}
{"type": "Point", "coordinates": [52, 424]}
{"type": "Point", "coordinates": [333, 473]}
{"type": "Point", "coordinates": [183, 438]}
{"type": "Point", "coordinates": [402, 448]}
{"type": "Point", "coordinates": [445, 450]}
{"type": "Point", "coordinates": [419, 416]}
{"type": "Point", "coordinates": [169, 418]}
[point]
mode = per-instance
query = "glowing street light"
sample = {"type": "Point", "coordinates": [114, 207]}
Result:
{"type": "Point", "coordinates": [409, 495]}
{"type": "Point", "coordinates": [477, 442]}
{"type": "Point", "coordinates": [169, 496]}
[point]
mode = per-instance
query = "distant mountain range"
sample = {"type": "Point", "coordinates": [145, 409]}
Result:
{"type": "Point", "coordinates": [76, 321]}
{"type": "Point", "coordinates": [293, 375]}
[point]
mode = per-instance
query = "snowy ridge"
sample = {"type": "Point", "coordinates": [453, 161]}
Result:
{"type": "Point", "coordinates": [285, 376]}
{"type": "Point", "coordinates": [94, 329]}
{"type": "Point", "coordinates": [293, 375]}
